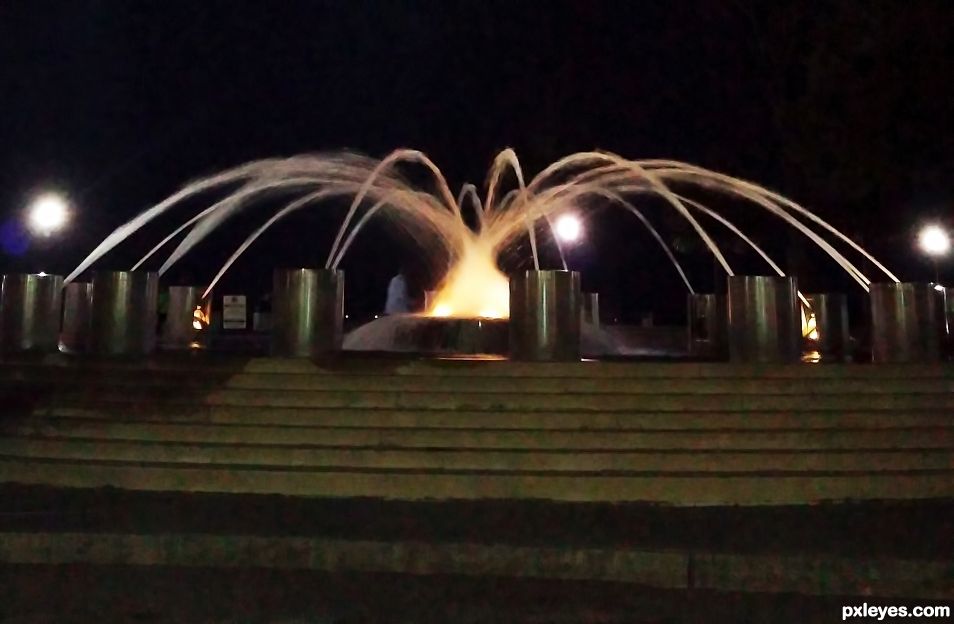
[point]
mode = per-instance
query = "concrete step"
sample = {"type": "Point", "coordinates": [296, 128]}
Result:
{"type": "Point", "coordinates": [808, 574]}
{"type": "Point", "coordinates": [688, 489]}
{"type": "Point", "coordinates": [502, 419]}
{"type": "Point", "coordinates": [941, 438]}
{"type": "Point", "coordinates": [196, 382]}
{"type": "Point", "coordinates": [515, 401]}
{"type": "Point", "coordinates": [686, 434]}
{"type": "Point", "coordinates": [217, 364]}
{"type": "Point", "coordinates": [485, 460]}
{"type": "Point", "coordinates": [851, 529]}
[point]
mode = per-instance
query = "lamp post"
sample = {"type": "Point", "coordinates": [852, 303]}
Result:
{"type": "Point", "coordinates": [936, 243]}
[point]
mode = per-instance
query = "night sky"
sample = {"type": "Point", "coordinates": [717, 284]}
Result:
{"type": "Point", "coordinates": [844, 106]}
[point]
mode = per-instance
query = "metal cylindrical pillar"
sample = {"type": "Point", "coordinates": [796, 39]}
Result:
{"type": "Point", "coordinates": [947, 324]}
{"type": "Point", "coordinates": [307, 312]}
{"type": "Point", "coordinates": [905, 323]}
{"type": "Point", "coordinates": [707, 325]}
{"type": "Point", "coordinates": [77, 313]}
{"type": "Point", "coordinates": [125, 312]}
{"type": "Point", "coordinates": [591, 308]}
{"type": "Point", "coordinates": [178, 331]}
{"type": "Point", "coordinates": [30, 312]}
{"type": "Point", "coordinates": [831, 323]}
{"type": "Point", "coordinates": [763, 319]}
{"type": "Point", "coordinates": [545, 316]}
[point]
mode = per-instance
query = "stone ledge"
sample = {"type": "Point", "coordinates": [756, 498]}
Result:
{"type": "Point", "coordinates": [341, 457]}
{"type": "Point", "coordinates": [805, 574]}
{"type": "Point", "coordinates": [352, 364]}
{"type": "Point", "coordinates": [193, 381]}
{"type": "Point", "coordinates": [686, 489]}
{"type": "Point", "coordinates": [503, 420]}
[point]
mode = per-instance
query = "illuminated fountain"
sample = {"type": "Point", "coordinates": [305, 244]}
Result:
{"type": "Point", "coordinates": [472, 260]}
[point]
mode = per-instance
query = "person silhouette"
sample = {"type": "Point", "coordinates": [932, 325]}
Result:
{"type": "Point", "coordinates": [399, 299]}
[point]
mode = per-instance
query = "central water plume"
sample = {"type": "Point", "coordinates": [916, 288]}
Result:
{"type": "Point", "coordinates": [468, 257]}
{"type": "Point", "coordinates": [474, 288]}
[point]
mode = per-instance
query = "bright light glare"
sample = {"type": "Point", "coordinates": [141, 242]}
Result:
{"type": "Point", "coordinates": [200, 318]}
{"type": "Point", "coordinates": [809, 324]}
{"type": "Point", "coordinates": [473, 288]}
{"type": "Point", "coordinates": [48, 213]}
{"type": "Point", "coordinates": [934, 241]}
{"type": "Point", "coordinates": [568, 228]}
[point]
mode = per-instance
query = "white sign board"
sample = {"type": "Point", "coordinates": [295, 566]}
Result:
{"type": "Point", "coordinates": [233, 312]}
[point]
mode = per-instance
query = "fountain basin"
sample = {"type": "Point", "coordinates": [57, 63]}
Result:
{"type": "Point", "coordinates": [431, 335]}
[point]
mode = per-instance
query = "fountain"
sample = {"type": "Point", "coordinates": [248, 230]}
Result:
{"type": "Point", "coordinates": [763, 319]}
{"type": "Point", "coordinates": [905, 323]}
{"type": "Point", "coordinates": [545, 316]}
{"type": "Point", "coordinates": [308, 308]}
{"type": "Point", "coordinates": [179, 330]}
{"type": "Point", "coordinates": [829, 332]}
{"type": "Point", "coordinates": [77, 309]}
{"type": "Point", "coordinates": [30, 312]}
{"type": "Point", "coordinates": [124, 313]}
{"type": "Point", "coordinates": [475, 290]}
{"type": "Point", "coordinates": [707, 325]}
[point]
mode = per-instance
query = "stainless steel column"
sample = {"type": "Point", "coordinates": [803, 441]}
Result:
{"type": "Point", "coordinates": [30, 312]}
{"type": "Point", "coordinates": [125, 312]}
{"type": "Point", "coordinates": [947, 325]}
{"type": "Point", "coordinates": [904, 323]}
{"type": "Point", "coordinates": [307, 312]}
{"type": "Point", "coordinates": [591, 309]}
{"type": "Point", "coordinates": [177, 331]}
{"type": "Point", "coordinates": [764, 322]}
{"type": "Point", "coordinates": [545, 316]}
{"type": "Point", "coordinates": [831, 323]}
{"type": "Point", "coordinates": [77, 314]}
{"type": "Point", "coordinates": [707, 325]}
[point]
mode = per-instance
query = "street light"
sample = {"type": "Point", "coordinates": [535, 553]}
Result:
{"type": "Point", "coordinates": [48, 213]}
{"type": "Point", "coordinates": [935, 242]}
{"type": "Point", "coordinates": [568, 228]}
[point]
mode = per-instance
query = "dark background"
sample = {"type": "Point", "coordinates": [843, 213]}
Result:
{"type": "Point", "coordinates": [843, 106]}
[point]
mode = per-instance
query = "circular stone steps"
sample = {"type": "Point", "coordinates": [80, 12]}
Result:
{"type": "Point", "coordinates": [663, 400]}
{"type": "Point", "coordinates": [479, 438]}
{"type": "Point", "coordinates": [501, 419]}
{"type": "Point", "coordinates": [574, 460]}
{"type": "Point", "coordinates": [728, 488]}
{"type": "Point", "coordinates": [682, 434]}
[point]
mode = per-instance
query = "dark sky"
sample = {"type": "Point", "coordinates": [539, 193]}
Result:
{"type": "Point", "coordinates": [845, 106]}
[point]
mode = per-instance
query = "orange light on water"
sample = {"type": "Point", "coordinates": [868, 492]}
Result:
{"type": "Point", "coordinates": [809, 324]}
{"type": "Point", "coordinates": [200, 318]}
{"type": "Point", "coordinates": [473, 288]}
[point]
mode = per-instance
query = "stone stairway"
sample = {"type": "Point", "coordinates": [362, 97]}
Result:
{"type": "Point", "coordinates": [679, 434]}
{"type": "Point", "coordinates": [831, 480]}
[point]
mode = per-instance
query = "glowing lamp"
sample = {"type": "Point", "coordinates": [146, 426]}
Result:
{"type": "Point", "coordinates": [934, 241]}
{"type": "Point", "coordinates": [568, 228]}
{"type": "Point", "coordinates": [48, 213]}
